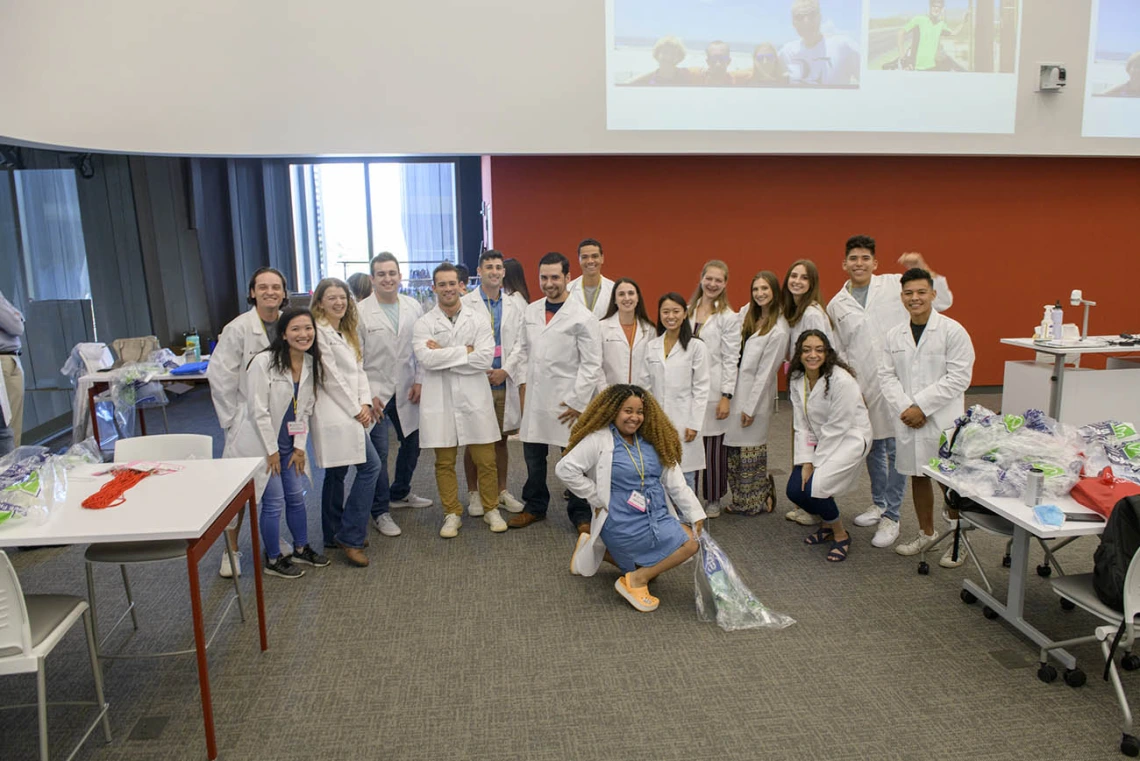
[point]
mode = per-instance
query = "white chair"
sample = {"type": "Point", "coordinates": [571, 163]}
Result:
{"type": "Point", "coordinates": [1079, 590]}
{"type": "Point", "coordinates": [173, 446]}
{"type": "Point", "coordinates": [30, 628]}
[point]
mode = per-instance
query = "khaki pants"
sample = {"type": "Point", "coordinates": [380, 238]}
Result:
{"type": "Point", "coordinates": [448, 484]}
{"type": "Point", "coordinates": [14, 383]}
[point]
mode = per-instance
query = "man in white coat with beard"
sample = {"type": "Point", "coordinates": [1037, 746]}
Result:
{"type": "Point", "coordinates": [927, 364]}
{"type": "Point", "coordinates": [507, 372]}
{"type": "Point", "coordinates": [866, 308]}
{"type": "Point", "coordinates": [455, 347]}
{"type": "Point", "coordinates": [241, 340]}
{"type": "Point", "coordinates": [562, 344]}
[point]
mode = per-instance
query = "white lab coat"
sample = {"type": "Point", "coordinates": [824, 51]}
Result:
{"type": "Point", "coordinates": [934, 375]}
{"type": "Point", "coordinates": [388, 357]}
{"type": "Point", "coordinates": [586, 471]}
{"type": "Point", "coordinates": [239, 343]}
{"type": "Point", "coordinates": [620, 364]}
{"type": "Point", "coordinates": [837, 418]}
{"type": "Point", "coordinates": [680, 383]}
{"type": "Point", "coordinates": [860, 333]}
{"type": "Point", "coordinates": [268, 395]}
{"type": "Point", "coordinates": [814, 318]}
{"type": "Point", "coordinates": [563, 366]}
{"type": "Point", "coordinates": [338, 438]}
{"type": "Point", "coordinates": [721, 334]}
{"type": "Point", "coordinates": [756, 386]}
{"type": "Point", "coordinates": [513, 361]}
{"type": "Point", "coordinates": [575, 292]}
{"type": "Point", "coordinates": [456, 407]}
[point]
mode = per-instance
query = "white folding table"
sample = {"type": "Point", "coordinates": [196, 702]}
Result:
{"type": "Point", "coordinates": [1012, 609]}
{"type": "Point", "coordinates": [195, 504]}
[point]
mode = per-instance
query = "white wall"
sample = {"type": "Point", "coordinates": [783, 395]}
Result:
{"type": "Point", "coordinates": [359, 77]}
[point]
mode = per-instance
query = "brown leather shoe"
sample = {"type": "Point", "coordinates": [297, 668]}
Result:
{"type": "Point", "coordinates": [583, 528]}
{"type": "Point", "coordinates": [524, 519]}
{"type": "Point", "coordinates": [354, 556]}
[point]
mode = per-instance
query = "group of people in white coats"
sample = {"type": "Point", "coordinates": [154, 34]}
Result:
{"type": "Point", "coordinates": [457, 377]}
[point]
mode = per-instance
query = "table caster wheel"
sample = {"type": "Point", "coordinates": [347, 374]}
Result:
{"type": "Point", "coordinates": [1130, 746]}
{"type": "Point", "coordinates": [1007, 561]}
{"type": "Point", "coordinates": [967, 597]}
{"type": "Point", "coordinates": [1044, 571]}
{"type": "Point", "coordinates": [1074, 677]}
{"type": "Point", "coordinates": [923, 568]}
{"type": "Point", "coordinates": [1130, 662]}
{"type": "Point", "coordinates": [1067, 604]}
{"type": "Point", "coordinates": [1047, 673]}
{"type": "Point", "coordinates": [989, 613]}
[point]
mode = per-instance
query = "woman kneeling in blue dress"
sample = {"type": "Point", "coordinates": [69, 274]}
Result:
{"type": "Point", "coordinates": [624, 459]}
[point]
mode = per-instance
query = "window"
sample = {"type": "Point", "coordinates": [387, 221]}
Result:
{"type": "Point", "coordinates": [51, 234]}
{"type": "Point", "coordinates": [346, 212]}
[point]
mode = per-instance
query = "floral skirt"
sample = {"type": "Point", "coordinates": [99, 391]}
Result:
{"type": "Point", "coordinates": [748, 478]}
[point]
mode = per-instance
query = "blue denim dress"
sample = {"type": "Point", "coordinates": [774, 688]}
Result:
{"type": "Point", "coordinates": [635, 538]}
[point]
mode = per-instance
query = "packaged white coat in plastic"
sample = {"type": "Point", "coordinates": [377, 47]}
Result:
{"type": "Point", "coordinates": [722, 595]}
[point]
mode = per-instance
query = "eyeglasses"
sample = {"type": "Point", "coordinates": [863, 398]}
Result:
{"type": "Point", "coordinates": [719, 58]}
{"type": "Point", "coordinates": [766, 57]}
{"type": "Point", "coordinates": [805, 15]}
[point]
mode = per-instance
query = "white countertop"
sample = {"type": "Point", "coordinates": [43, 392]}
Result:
{"type": "Point", "coordinates": [179, 505]}
{"type": "Point", "coordinates": [1075, 347]}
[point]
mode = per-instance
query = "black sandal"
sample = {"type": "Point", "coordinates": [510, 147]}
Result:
{"type": "Point", "coordinates": [838, 551]}
{"type": "Point", "coordinates": [820, 536]}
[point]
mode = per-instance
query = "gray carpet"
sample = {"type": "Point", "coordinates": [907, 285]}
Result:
{"type": "Point", "coordinates": [485, 647]}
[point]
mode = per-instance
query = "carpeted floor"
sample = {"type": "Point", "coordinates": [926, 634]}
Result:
{"type": "Point", "coordinates": [485, 647]}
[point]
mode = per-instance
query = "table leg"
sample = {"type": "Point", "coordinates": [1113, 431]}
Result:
{"type": "Point", "coordinates": [1013, 609]}
{"type": "Point", "coordinates": [200, 646]}
{"type": "Point", "coordinates": [91, 394]}
{"type": "Point", "coordinates": [254, 533]}
{"type": "Point", "coordinates": [1058, 381]}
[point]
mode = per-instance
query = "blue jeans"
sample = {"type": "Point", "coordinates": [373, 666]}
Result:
{"type": "Point", "coordinates": [887, 486]}
{"type": "Point", "coordinates": [406, 458]}
{"type": "Point", "coordinates": [535, 492]}
{"type": "Point", "coordinates": [800, 495]}
{"type": "Point", "coordinates": [691, 479]}
{"type": "Point", "coordinates": [381, 493]}
{"type": "Point", "coordinates": [283, 493]}
{"type": "Point", "coordinates": [346, 523]}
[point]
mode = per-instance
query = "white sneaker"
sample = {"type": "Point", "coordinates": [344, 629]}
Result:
{"type": "Point", "coordinates": [870, 517]}
{"type": "Point", "coordinates": [451, 526]}
{"type": "Point", "coordinates": [886, 534]}
{"type": "Point", "coordinates": [474, 504]}
{"type": "Point", "coordinates": [916, 545]}
{"type": "Point", "coordinates": [412, 500]}
{"type": "Point", "coordinates": [947, 560]}
{"type": "Point", "coordinates": [225, 571]}
{"type": "Point", "coordinates": [507, 500]}
{"type": "Point", "coordinates": [494, 519]}
{"type": "Point", "coordinates": [712, 509]}
{"type": "Point", "coordinates": [802, 517]}
{"type": "Point", "coordinates": [385, 525]}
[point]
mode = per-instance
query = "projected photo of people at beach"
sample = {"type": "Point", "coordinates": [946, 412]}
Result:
{"type": "Point", "coordinates": [721, 43]}
{"type": "Point", "coordinates": [1115, 69]}
{"type": "Point", "coordinates": [943, 35]}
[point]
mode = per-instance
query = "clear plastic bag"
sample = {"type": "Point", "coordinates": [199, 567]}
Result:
{"type": "Point", "coordinates": [722, 595]}
{"type": "Point", "coordinates": [33, 481]}
{"type": "Point", "coordinates": [133, 385]}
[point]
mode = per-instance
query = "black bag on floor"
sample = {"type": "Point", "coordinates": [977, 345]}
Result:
{"type": "Point", "coordinates": [1118, 543]}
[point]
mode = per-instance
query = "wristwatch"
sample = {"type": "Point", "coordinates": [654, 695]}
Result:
{"type": "Point", "coordinates": [727, 396]}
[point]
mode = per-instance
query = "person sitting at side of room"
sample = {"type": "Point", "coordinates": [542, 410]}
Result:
{"type": "Point", "coordinates": [624, 460]}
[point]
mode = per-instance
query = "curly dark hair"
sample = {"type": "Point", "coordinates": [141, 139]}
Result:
{"type": "Point", "coordinates": [831, 359]}
{"type": "Point", "coordinates": [656, 428]}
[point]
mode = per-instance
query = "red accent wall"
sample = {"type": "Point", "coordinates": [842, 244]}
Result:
{"type": "Point", "coordinates": [1011, 234]}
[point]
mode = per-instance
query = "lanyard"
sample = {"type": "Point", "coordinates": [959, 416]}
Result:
{"type": "Point", "coordinates": [294, 406]}
{"type": "Point", "coordinates": [490, 309]}
{"type": "Point", "coordinates": [639, 468]}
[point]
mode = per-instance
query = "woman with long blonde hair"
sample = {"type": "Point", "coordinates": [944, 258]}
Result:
{"type": "Point", "coordinates": [763, 336]}
{"type": "Point", "coordinates": [713, 321]}
{"type": "Point", "coordinates": [624, 458]}
{"type": "Point", "coordinates": [341, 419]}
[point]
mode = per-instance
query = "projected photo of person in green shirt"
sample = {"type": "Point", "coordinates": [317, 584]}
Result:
{"type": "Point", "coordinates": [943, 35]}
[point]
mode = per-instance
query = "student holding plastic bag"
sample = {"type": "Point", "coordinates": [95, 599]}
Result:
{"type": "Point", "coordinates": [273, 422]}
{"type": "Point", "coordinates": [624, 459]}
{"type": "Point", "coordinates": [832, 437]}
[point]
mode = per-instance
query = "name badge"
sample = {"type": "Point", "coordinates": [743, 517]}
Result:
{"type": "Point", "coordinates": [811, 439]}
{"type": "Point", "coordinates": [498, 351]}
{"type": "Point", "coordinates": [787, 366]}
{"type": "Point", "coordinates": [296, 428]}
{"type": "Point", "coordinates": [637, 501]}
